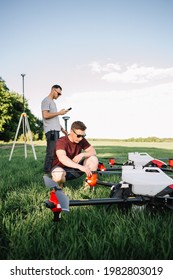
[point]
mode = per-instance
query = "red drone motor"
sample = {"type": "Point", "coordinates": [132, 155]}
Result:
{"type": "Point", "coordinates": [54, 205]}
{"type": "Point", "coordinates": [111, 161]}
{"type": "Point", "coordinates": [101, 166]}
{"type": "Point", "coordinates": [170, 162]}
{"type": "Point", "coordinates": [92, 180]}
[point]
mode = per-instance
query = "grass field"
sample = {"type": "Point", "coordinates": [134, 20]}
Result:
{"type": "Point", "coordinates": [88, 232]}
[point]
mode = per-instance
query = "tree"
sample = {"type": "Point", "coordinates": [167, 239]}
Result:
{"type": "Point", "coordinates": [11, 107]}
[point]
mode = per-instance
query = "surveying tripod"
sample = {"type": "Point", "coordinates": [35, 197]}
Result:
{"type": "Point", "coordinates": [26, 130]}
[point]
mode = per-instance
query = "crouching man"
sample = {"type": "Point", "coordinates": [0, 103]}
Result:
{"type": "Point", "coordinates": [74, 155]}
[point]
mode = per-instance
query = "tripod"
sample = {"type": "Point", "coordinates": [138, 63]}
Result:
{"type": "Point", "coordinates": [26, 130]}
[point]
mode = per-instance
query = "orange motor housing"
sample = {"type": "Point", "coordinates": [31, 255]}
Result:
{"type": "Point", "coordinates": [101, 166]}
{"type": "Point", "coordinates": [170, 162]}
{"type": "Point", "coordinates": [111, 161]}
{"type": "Point", "coordinates": [92, 180]}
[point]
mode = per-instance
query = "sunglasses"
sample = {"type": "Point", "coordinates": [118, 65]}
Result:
{"type": "Point", "coordinates": [79, 135]}
{"type": "Point", "coordinates": [58, 93]}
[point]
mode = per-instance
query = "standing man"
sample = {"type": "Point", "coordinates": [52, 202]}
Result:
{"type": "Point", "coordinates": [74, 155]}
{"type": "Point", "coordinates": [51, 123]}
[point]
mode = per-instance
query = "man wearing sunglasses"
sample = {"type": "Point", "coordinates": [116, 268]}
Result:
{"type": "Point", "coordinates": [51, 123]}
{"type": "Point", "coordinates": [73, 156]}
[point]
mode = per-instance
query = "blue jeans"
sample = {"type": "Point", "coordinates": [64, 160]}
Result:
{"type": "Point", "coordinates": [51, 138]}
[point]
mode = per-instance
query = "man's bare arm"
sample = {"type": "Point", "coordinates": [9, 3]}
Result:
{"type": "Point", "coordinates": [64, 159]}
{"type": "Point", "coordinates": [48, 115]}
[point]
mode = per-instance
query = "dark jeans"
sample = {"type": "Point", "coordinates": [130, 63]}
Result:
{"type": "Point", "coordinates": [71, 173]}
{"type": "Point", "coordinates": [51, 138]}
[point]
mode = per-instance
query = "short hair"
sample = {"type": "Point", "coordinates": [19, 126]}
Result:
{"type": "Point", "coordinates": [57, 86]}
{"type": "Point", "coordinates": [78, 125]}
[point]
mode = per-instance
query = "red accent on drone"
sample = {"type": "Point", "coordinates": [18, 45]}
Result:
{"type": "Point", "coordinates": [158, 163]}
{"type": "Point", "coordinates": [101, 166]}
{"type": "Point", "coordinates": [92, 180]}
{"type": "Point", "coordinates": [112, 161]}
{"type": "Point", "coordinates": [171, 186]}
{"type": "Point", "coordinates": [170, 162]}
{"type": "Point", "coordinates": [54, 200]}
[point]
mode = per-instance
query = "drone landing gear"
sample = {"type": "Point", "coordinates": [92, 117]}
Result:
{"type": "Point", "coordinates": [123, 194]}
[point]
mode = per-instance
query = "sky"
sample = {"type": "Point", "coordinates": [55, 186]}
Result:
{"type": "Point", "coordinates": [112, 58]}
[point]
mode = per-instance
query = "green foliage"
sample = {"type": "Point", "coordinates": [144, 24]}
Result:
{"type": "Point", "coordinates": [88, 232]}
{"type": "Point", "coordinates": [152, 139]}
{"type": "Point", "coordinates": [11, 108]}
{"type": "Point", "coordinates": [148, 139]}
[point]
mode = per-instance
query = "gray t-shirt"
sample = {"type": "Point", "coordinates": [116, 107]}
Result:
{"type": "Point", "coordinates": [53, 123]}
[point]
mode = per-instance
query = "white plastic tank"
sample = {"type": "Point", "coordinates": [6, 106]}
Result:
{"type": "Point", "coordinates": [146, 181]}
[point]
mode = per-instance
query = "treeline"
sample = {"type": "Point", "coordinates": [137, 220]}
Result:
{"type": "Point", "coordinates": [149, 139]}
{"type": "Point", "coordinates": [12, 106]}
{"type": "Point", "coordinates": [140, 139]}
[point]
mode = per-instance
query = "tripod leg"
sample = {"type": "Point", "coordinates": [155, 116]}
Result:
{"type": "Point", "coordinates": [17, 131]}
{"type": "Point", "coordinates": [24, 134]}
{"type": "Point", "coordinates": [30, 136]}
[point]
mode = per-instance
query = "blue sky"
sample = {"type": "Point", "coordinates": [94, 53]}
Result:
{"type": "Point", "coordinates": [112, 58]}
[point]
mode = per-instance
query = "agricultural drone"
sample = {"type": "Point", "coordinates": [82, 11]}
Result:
{"type": "Point", "coordinates": [144, 181]}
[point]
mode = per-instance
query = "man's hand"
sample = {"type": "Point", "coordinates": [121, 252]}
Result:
{"type": "Point", "coordinates": [86, 169]}
{"type": "Point", "coordinates": [62, 112]}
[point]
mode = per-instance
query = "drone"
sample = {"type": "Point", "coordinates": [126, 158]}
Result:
{"type": "Point", "coordinates": [135, 158]}
{"type": "Point", "coordinates": [144, 181]}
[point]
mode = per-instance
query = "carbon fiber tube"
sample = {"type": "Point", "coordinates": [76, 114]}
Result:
{"type": "Point", "coordinates": [101, 201]}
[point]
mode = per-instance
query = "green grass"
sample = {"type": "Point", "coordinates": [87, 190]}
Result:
{"type": "Point", "coordinates": [88, 232]}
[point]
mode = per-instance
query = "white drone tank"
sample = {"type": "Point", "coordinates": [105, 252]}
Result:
{"type": "Point", "coordinates": [145, 181]}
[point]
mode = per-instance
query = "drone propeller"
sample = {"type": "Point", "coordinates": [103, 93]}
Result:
{"type": "Point", "coordinates": [49, 183]}
{"type": "Point", "coordinates": [60, 195]}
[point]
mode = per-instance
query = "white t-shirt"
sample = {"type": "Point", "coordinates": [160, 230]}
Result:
{"type": "Point", "coordinates": [53, 123]}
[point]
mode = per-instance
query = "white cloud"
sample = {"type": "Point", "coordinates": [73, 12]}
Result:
{"type": "Point", "coordinates": [132, 74]}
{"type": "Point", "coordinates": [123, 114]}
{"type": "Point", "coordinates": [97, 68]}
